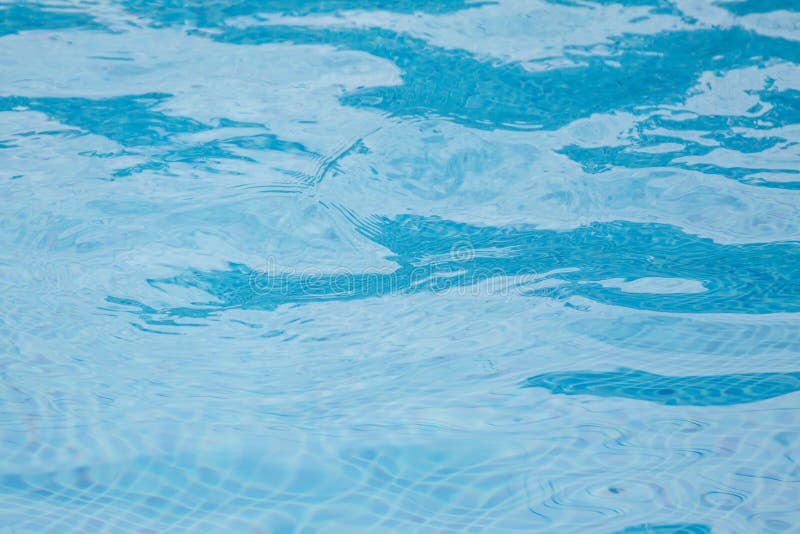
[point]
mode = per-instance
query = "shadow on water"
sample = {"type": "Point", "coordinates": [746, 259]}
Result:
{"type": "Point", "coordinates": [717, 390]}
{"type": "Point", "coordinates": [436, 255]}
{"type": "Point", "coordinates": [642, 70]}
{"type": "Point", "coordinates": [25, 17]}
{"type": "Point", "coordinates": [781, 108]}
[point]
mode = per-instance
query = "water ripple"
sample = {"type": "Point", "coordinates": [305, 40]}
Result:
{"type": "Point", "coordinates": [776, 109]}
{"type": "Point", "coordinates": [408, 266]}
{"type": "Point", "coordinates": [206, 14]}
{"type": "Point", "coordinates": [641, 71]}
{"type": "Point", "coordinates": [715, 390]}
{"type": "Point", "coordinates": [675, 528]}
{"type": "Point", "coordinates": [21, 17]}
{"type": "Point", "coordinates": [135, 123]}
{"type": "Point", "coordinates": [749, 278]}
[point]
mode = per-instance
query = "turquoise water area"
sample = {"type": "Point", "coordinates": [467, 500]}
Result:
{"type": "Point", "coordinates": [410, 266]}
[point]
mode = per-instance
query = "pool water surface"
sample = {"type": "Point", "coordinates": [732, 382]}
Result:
{"type": "Point", "coordinates": [408, 266]}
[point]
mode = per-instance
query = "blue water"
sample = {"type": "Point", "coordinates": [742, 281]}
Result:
{"type": "Point", "coordinates": [409, 266]}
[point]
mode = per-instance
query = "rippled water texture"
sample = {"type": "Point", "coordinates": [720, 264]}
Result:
{"type": "Point", "coordinates": [407, 266]}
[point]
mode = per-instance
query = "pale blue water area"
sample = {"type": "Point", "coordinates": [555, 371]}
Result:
{"type": "Point", "coordinates": [409, 266]}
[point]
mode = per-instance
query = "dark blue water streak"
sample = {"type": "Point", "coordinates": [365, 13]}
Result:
{"type": "Point", "coordinates": [439, 255]}
{"type": "Point", "coordinates": [716, 390]}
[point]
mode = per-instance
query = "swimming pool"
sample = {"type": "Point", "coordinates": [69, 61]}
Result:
{"type": "Point", "coordinates": [410, 266]}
